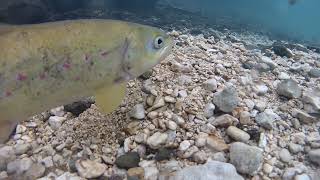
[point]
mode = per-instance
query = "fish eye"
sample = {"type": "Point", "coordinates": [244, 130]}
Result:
{"type": "Point", "coordinates": [158, 42]}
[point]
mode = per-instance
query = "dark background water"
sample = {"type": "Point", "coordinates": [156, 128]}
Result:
{"type": "Point", "coordinates": [294, 19]}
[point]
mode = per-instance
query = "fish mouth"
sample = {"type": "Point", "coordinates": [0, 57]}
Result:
{"type": "Point", "coordinates": [166, 51]}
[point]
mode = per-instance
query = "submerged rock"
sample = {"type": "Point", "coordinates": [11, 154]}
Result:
{"type": "Point", "coordinates": [128, 160]}
{"type": "Point", "coordinates": [210, 170]}
{"type": "Point", "coordinates": [289, 88]}
{"type": "Point", "coordinates": [226, 100]}
{"type": "Point", "coordinates": [90, 169]}
{"type": "Point", "coordinates": [247, 159]}
{"type": "Point", "coordinates": [76, 108]}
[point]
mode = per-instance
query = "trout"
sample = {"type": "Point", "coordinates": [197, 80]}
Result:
{"type": "Point", "coordinates": [51, 64]}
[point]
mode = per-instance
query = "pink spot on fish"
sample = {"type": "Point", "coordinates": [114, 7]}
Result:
{"type": "Point", "coordinates": [77, 79]}
{"type": "Point", "coordinates": [42, 76]}
{"type": "Point", "coordinates": [8, 93]}
{"type": "Point", "coordinates": [104, 54]}
{"type": "Point", "coordinates": [86, 57]}
{"type": "Point", "coordinates": [66, 65]}
{"type": "Point", "coordinates": [21, 77]}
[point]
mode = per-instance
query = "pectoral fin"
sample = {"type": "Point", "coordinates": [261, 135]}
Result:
{"type": "Point", "coordinates": [108, 98]}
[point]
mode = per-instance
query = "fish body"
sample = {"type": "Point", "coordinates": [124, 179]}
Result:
{"type": "Point", "coordinates": [46, 65]}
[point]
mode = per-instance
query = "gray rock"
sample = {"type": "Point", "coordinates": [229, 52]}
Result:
{"type": "Point", "coordinates": [289, 88]}
{"type": "Point", "coordinates": [223, 120]}
{"type": "Point", "coordinates": [128, 160]}
{"type": "Point", "coordinates": [238, 134]}
{"type": "Point", "coordinates": [3, 175]}
{"type": "Point", "coordinates": [22, 148]}
{"type": "Point", "coordinates": [35, 171]}
{"type": "Point", "coordinates": [58, 111]}
{"type": "Point", "coordinates": [285, 156]}
{"type": "Point", "coordinates": [245, 118]}
{"type": "Point", "coordinates": [226, 100]}
{"type": "Point", "coordinates": [90, 169]}
{"type": "Point", "coordinates": [208, 110]}
{"type": "Point", "coordinates": [283, 76]}
{"type": "Point", "coordinates": [210, 85]}
{"type": "Point", "coordinates": [184, 145]}
{"type": "Point", "coordinates": [269, 62]}
{"type": "Point", "coordinates": [303, 116]}
{"type": "Point", "coordinates": [170, 166]}
{"type": "Point", "coordinates": [314, 156]}
{"type": "Point", "coordinates": [47, 161]}
{"type": "Point", "coordinates": [200, 157]}
{"type": "Point", "coordinates": [163, 154]}
{"type": "Point", "coordinates": [19, 166]}
{"type": "Point", "coordinates": [260, 89]}
{"type": "Point", "coordinates": [315, 73]}
{"type": "Point", "coordinates": [266, 119]}
{"type": "Point", "coordinates": [157, 140]}
{"type": "Point", "coordinates": [137, 112]}
{"type": "Point", "coordinates": [210, 170]}
{"type": "Point", "coordinates": [20, 129]}
{"type": "Point", "coordinates": [151, 173]}
{"type": "Point", "coordinates": [247, 159]}
{"type": "Point", "coordinates": [295, 148]}
{"type": "Point", "coordinates": [7, 154]}
{"type": "Point", "coordinates": [219, 156]}
{"type": "Point", "coordinates": [260, 105]}
{"type": "Point", "coordinates": [311, 99]}
{"type": "Point", "coordinates": [55, 122]}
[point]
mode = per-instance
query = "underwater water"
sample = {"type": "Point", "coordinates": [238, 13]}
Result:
{"type": "Point", "coordinates": [285, 19]}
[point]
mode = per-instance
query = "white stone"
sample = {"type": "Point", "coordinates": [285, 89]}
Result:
{"type": "Point", "coordinates": [90, 169]}
{"type": "Point", "coordinates": [184, 145]}
{"type": "Point", "coordinates": [55, 122]}
{"type": "Point", "coordinates": [157, 139]}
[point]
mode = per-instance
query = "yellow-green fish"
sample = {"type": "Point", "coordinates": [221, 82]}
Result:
{"type": "Point", "coordinates": [51, 64]}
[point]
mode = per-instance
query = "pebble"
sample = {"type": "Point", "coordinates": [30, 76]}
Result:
{"type": "Point", "coordinates": [200, 157]}
{"type": "Point", "coordinates": [37, 170]}
{"type": "Point", "coordinates": [245, 118]}
{"type": "Point", "coordinates": [314, 156]}
{"type": "Point", "coordinates": [172, 125]}
{"type": "Point", "coordinates": [178, 119]}
{"type": "Point", "coordinates": [210, 85]}
{"type": "Point", "coordinates": [266, 119]}
{"type": "Point", "coordinates": [303, 116]}
{"type": "Point", "coordinates": [285, 156]}
{"type": "Point", "coordinates": [22, 148]}
{"type": "Point", "coordinates": [158, 103]}
{"type": "Point", "coordinates": [184, 145]}
{"type": "Point", "coordinates": [137, 112]}
{"type": "Point", "coordinates": [247, 159]}
{"type": "Point", "coordinates": [163, 154]}
{"type": "Point", "coordinates": [20, 129]}
{"type": "Point", "coordinates": [295, 148]}
{"type": "Point", "coordinates": [283, 76]}
{"type": "Point", "coordinates": [219, 156]}
{"type": "Point", "coordinates": [238, 134]}
{"type": "Point", "coordinates": [208, 110]}
{"type": "Point", "coordinates": [157, 140]}
{"type": "Point", "coordinates": [267, 168]}
{"type": "Point", "coordinates": [223, 120]}
{"type": "Point", "coordinates": [90, 169]}
{"type": "Point", "coordinates": [226, 100]}
{"type": "Point", "coordinates": [151, 173]}
{"type": "Point", "coordinates": [55, 122]}
{"type": "Point", "coordinates": [260, 89]}
{"type": "Point", "coordinates": [19, 166]}
{"type": "Point", "coordinates": [128, 160]}
{"type": "Point", "coordinates": [58, 111]}
{"type": "Point", "coordinates": [289, 88]}
{"type": "Point", "coordinates": [169, 99]}
{"type": "Point", "coordinates": [314, 73]}
{"type": "Point", "coordinates": [217, 144]}
{"type": "Point", "coordinates": [136, 172]}
{"type": "Point", "coordinates": [210, 170]}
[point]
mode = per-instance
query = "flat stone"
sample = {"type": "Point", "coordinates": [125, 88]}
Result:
{"type": "Point", "coordinates": [223, 120]}
{"type": "Point", "coordinates": [289, 88]}
{"type": "Point", "coordinates": [303, 116]}
{"type": "Point", "coordinates": [267, 118]}
{"type": "Point", "coordinates": [226, 100]}
{"type": "Point", "coordinates": [55, 122]}
{"type": "Point", "coordinates": [129, 160]}
{"type": "Point", "coordinates": [90, 169]}
{"type": "Point", "coordinates": [209, 171]}
{"type": "Point", "coordinates": [137, 112]}
{"type": "Point", "coordinates": [157, 140]}
{"type": "Point", "coordinates": [247, 159]}
{"type": "Point", "coordinates": [22, 148]}
{"type": "Point", "coordinates": [238, 134]}
{"type": "Point", "coordinates": [19, 166]}
{"type": "Point", "coordinates": [217, 144]}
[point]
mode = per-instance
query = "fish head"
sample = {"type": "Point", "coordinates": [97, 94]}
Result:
{"type": "Point", "coordinates": [147, 47]}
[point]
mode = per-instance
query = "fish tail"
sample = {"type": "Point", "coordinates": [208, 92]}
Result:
{"type": "Point", "coordinates": [7, 129]}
